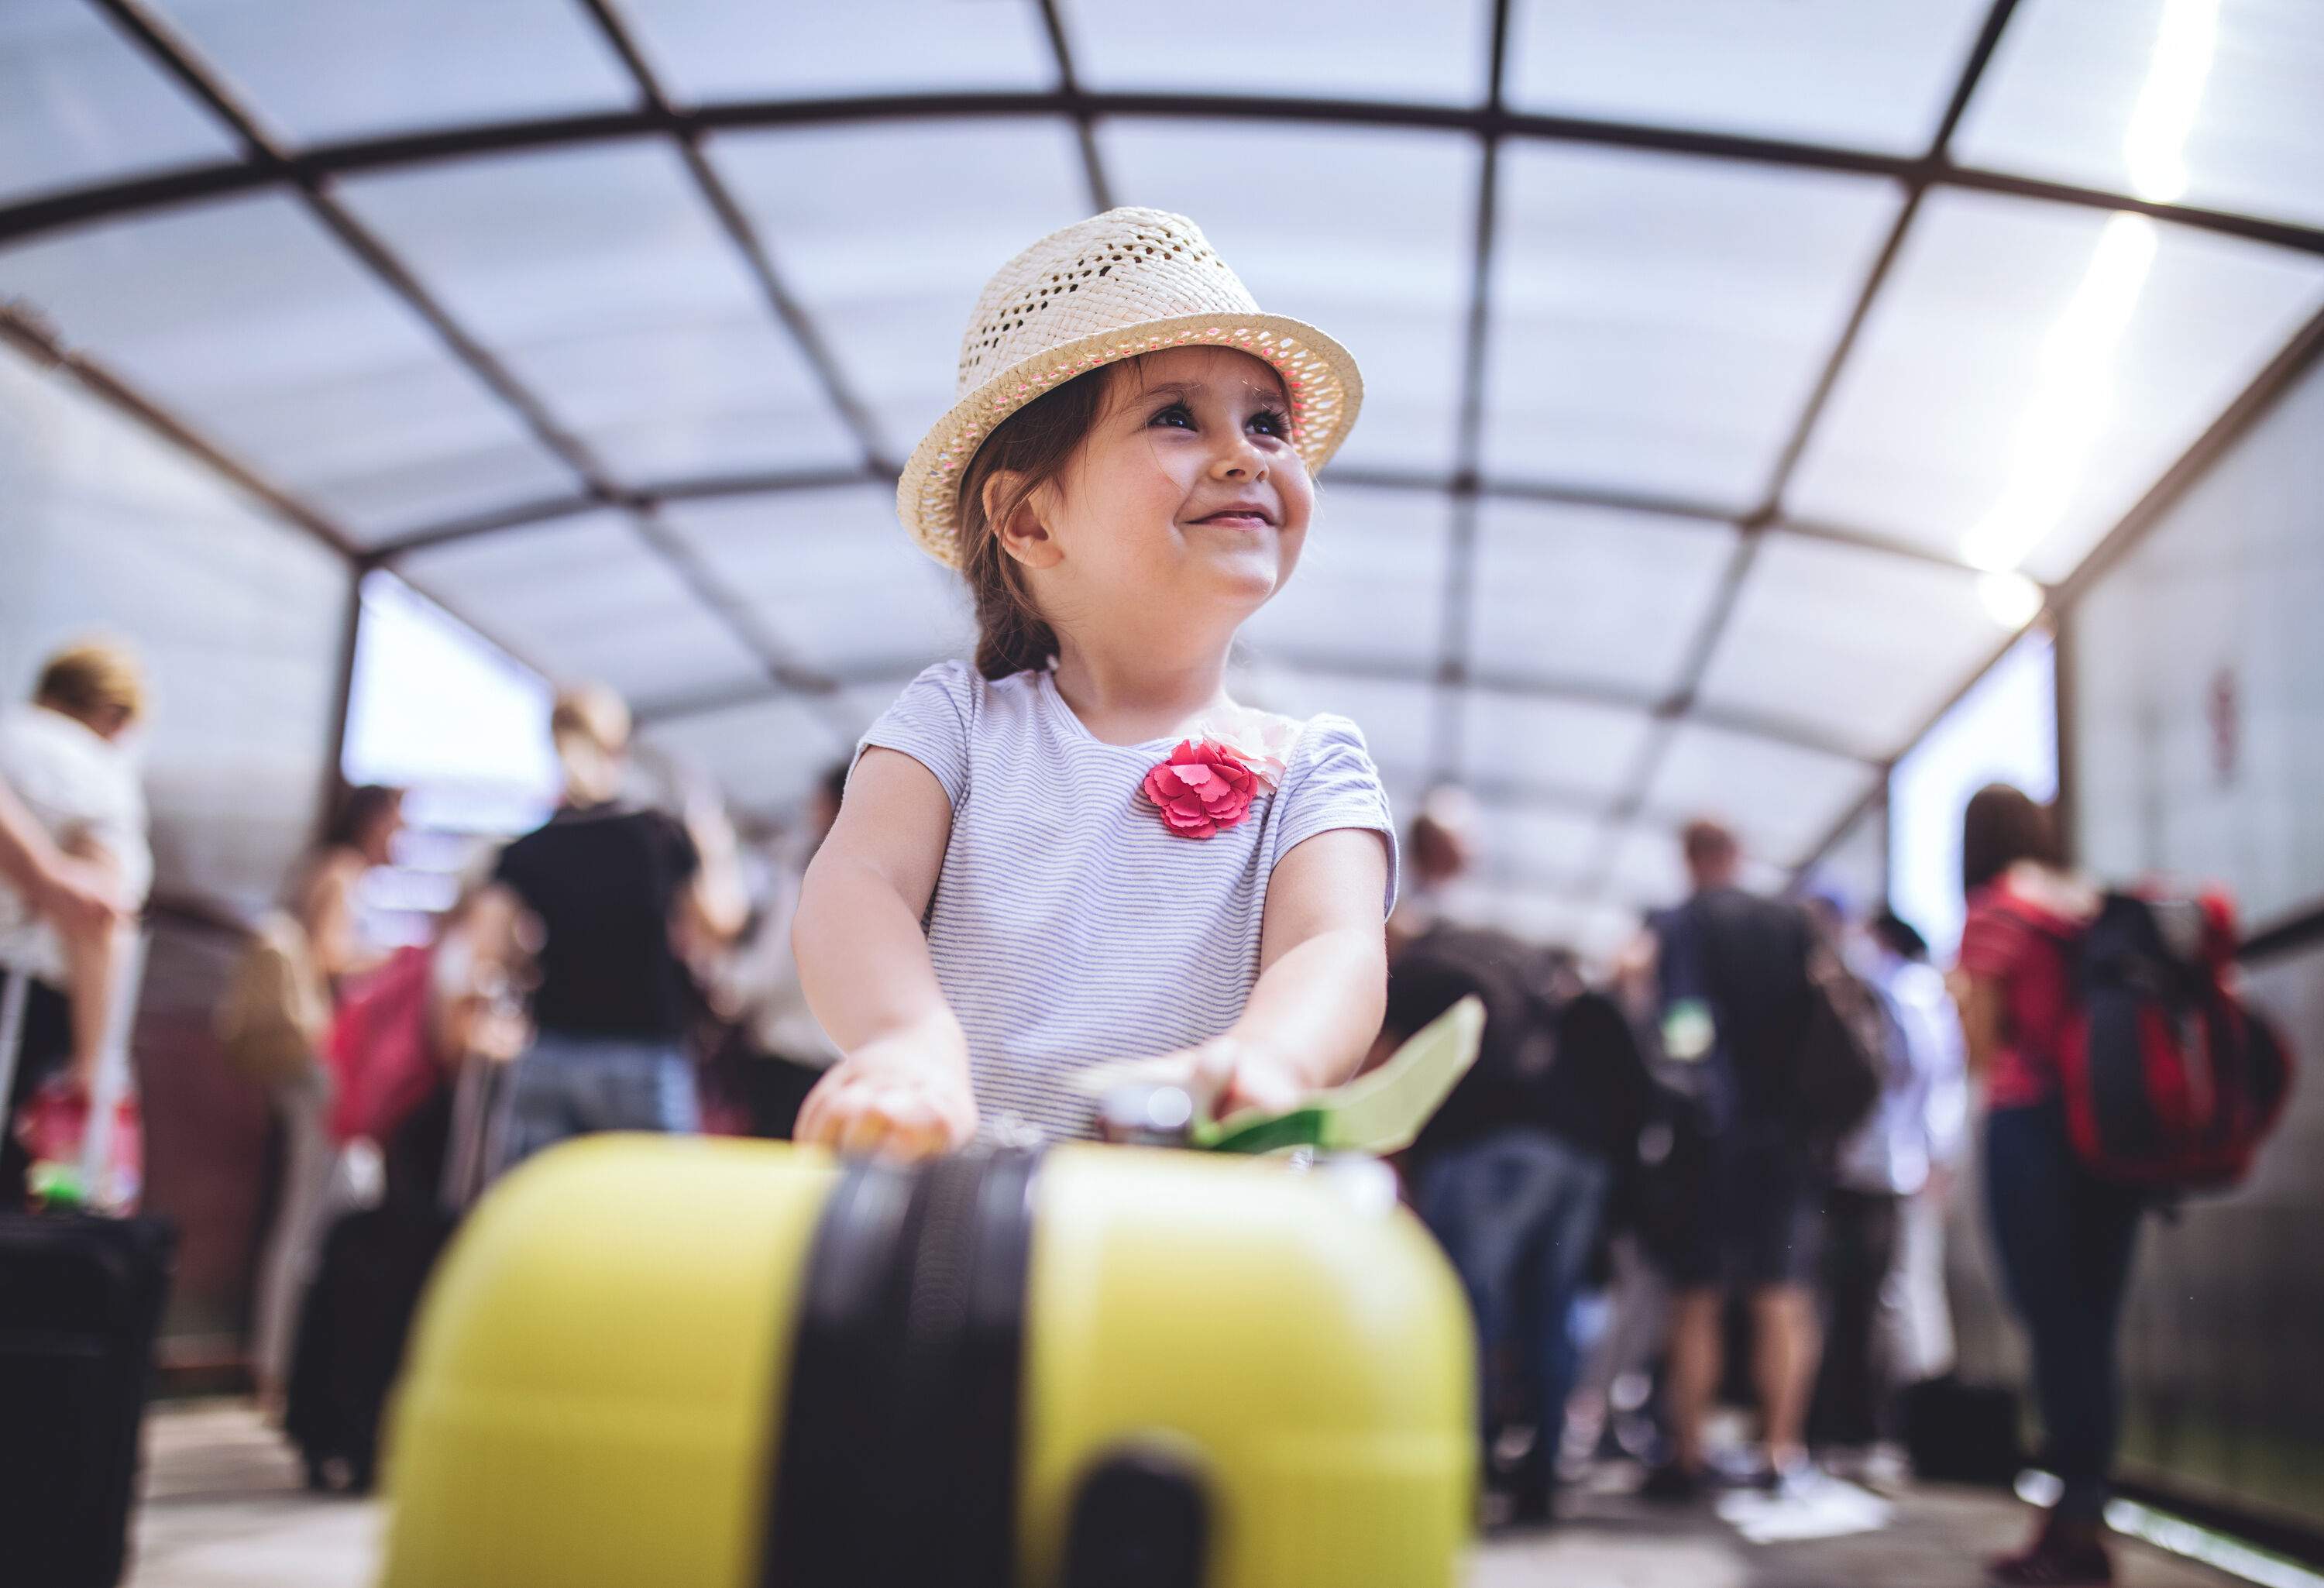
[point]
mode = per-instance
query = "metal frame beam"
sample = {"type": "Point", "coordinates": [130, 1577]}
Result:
{"type": "Point", "coordinates": [520, 515]}
{"type": "Point", "coordinates": [133, 195]}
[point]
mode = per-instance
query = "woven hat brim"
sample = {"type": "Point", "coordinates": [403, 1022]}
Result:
{"type": "Point", "coordinates": [1321, 375]}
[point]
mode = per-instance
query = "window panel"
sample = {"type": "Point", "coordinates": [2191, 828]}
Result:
{"type": "Point", "coordinates": [248, 319]}
{"type": "Point", "coordinates": [894, 304]}
{"type": "Point", "coordinates": [1826, 71]}
{"type": "Point", "coordinates": [765, 757]}
{"type": "Point", "coordinates": [708, 51]}
{"type": "Point", "coordinates": [2211, 106]}
{"type": "Point", "coordinates": [1658, 322]}
{"type": "Point", "coordinates": [1862, 646]}
{"type": "Point", "coordinates": [1781, 800]}
{"type": "Point", "coordinates": [326, 70]}
{"type": "Point", "coordinates": [1591, 594]}
{"type": "Point", "coordinates": [2030, 369]}
{"type": "Point", "coordinates": [585, 599]}
{"type": "Point", "coordinates": [79, 104]}
{"type": "Point", "coordinates": [1369, 584]}
{"type": "Point", "coordinates": [601, 278]}
{"type": "Point", "coordinates": [834, 577]}
{"type": "Point", "coordinates": [1387, 278]}
{"type": "Point", "coordinates": [1570, 746]}
{"type": "Point", "coordinates": [1330, 48]}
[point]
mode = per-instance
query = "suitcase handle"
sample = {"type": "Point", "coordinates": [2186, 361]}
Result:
{"type": "Point", "coordinates": [1141, 1519]}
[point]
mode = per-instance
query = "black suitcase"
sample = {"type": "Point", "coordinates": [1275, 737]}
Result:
{"type": "Point", "coordinates": [80, 1303]}
{"type": "Point", "coordinates": [373, 1266]}
{"type": "Point", "coordinates": [351, 1332]}
{"type": "Point", "coordinates": [1962, 1433]}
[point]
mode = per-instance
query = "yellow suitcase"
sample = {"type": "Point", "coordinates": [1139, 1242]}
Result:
{"type": "Point", "coordinates": [658, 1364]}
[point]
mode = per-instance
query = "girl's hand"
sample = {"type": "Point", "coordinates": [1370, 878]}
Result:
{"type": "Point", "coordinates": [893, 1097]}
{"type": "Point", "coordinates": [1228, 1073]}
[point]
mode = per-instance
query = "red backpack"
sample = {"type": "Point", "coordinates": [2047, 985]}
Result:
{"type": "Point", "coordinates": [2171, 1083]}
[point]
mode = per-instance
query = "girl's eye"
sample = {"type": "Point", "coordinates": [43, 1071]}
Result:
{"type": "Point", "coordinates": [1273, 422]}
{"type": "Point", "coordinates": [1177, 413]}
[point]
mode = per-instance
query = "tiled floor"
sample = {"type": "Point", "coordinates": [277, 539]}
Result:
{"type": "Point", "coordinates": [224, 1509]}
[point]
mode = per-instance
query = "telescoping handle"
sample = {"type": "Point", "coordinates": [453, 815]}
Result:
{"type": "Point", "coordinates": [112, 1079]}
{"type": "Point", "coordinates": [16, 990]}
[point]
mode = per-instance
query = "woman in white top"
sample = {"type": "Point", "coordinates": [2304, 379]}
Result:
{"type": "Point", "coordinates": [62, 757]}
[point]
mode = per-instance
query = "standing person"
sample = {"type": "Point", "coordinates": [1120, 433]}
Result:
{"type": "Point", "coordinates": [614, 889]}
{"type": "Point", "coordinates": [63, 759]}
{"type": "Point", "coordinates": [1889, 1160]}
{"type": "Point", "coordinates": [2065, 1238]}
{"type": "Point", "coordinates": [759, 983]}
{"type": "Point", "coordinates": [1080, 849]}
{"type": "Point", "coordinates": [1512, 1174]}
{"type": "Point", "coordinates": [322, 899]}
{"type": "Point", "coordinates": [1920, 1316]}
{"type": "Point", "coordinates": [1732, 976]}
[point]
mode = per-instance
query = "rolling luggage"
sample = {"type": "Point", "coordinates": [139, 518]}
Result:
{"type": "Point", "coordinates": [699, 1362]}
{"type": "Point", "coordinates": [81, 1305]}
{"type": "Point", "coordinates": [356, 1316]}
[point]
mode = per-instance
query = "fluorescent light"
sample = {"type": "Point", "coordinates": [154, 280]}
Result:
{"type": "Point", "coordinates": [2072, 399]}
{"type": "Point", "coordinates": [2068, 411]}
{"type": "Point", "coordinates": [2156, 144]}
{"type": "Point", "coordinates": [2011, 599]}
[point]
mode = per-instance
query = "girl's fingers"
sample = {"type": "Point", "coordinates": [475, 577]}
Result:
{"type": "Point", "coordinates": [813, 1127]}
{"type": "Point", "coordinates": [864, 1126]}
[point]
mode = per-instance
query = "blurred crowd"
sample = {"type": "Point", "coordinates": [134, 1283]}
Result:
{"type": "Point", "coordinates": [1715, 1168]}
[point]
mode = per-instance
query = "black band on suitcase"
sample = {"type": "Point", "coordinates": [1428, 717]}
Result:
{"type": "Point", "coordinates": [897, 1460]}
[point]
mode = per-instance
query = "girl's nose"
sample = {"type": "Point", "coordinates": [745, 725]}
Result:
{"type": "Point", "coordinates": [1240, 461]}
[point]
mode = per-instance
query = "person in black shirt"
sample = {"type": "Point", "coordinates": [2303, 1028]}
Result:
{"type": "Point", "coordinates": [1512, 1173]}
{"type": "Point", "coordinates": [614, 889]}
{"type": "Point", "coordinates": [1734, 991]}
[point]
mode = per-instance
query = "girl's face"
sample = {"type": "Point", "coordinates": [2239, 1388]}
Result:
{"type": "Point", "coordinates": [1187, 496]}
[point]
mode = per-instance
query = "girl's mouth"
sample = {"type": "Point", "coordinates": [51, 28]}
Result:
{"type": "Point", "coordinates": [1240, 517]}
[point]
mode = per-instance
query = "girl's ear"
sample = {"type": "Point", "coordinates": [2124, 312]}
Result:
{"type": "Point", "coordinates": [1023, 534]}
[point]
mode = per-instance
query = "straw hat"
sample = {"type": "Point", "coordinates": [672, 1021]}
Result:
{"type": "Point", "coordinates": [1108, 287]}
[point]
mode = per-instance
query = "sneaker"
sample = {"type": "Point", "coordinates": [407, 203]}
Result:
{"type": "Point", "coordinates": [1796, 1479]}
{"type": "Point", "coordinates": [1671, 1484]}
{"type": "Point", "coordinates": [2056, 1560]}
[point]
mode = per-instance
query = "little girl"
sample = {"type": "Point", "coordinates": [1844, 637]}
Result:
{"type": "Point", "coordinates": [1080, 849]}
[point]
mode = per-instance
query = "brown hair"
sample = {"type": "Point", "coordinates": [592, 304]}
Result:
{"type": "Point", "coordinates": [1034, 443]}
{"type": "Point", "coordinates": [2002, 827]}
{"type": "Point", "coordinates": [1707, 844]}
{"type": "Point", "coordinates": [86, 680]}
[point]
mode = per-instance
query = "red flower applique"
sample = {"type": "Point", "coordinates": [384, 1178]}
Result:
{"type": "Point", "coordinates": [1201, 788]}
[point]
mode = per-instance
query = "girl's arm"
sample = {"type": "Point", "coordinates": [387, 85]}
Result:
{"type": "Point", "coordinates": [864, 963]}
{"type": "Point", "coordinates": [1323, 979]}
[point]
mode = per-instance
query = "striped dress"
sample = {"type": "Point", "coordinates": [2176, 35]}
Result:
{"type": "Point", "coordinates": [1069, 927]}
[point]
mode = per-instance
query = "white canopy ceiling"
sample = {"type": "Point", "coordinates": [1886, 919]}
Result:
{"type": "Point", "coordinates": [1726, 359]}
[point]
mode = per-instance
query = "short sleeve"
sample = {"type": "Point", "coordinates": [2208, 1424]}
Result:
{"type": "Point", "coordinates": [1333, 783]}
{"type": "Point", "coordinates": [1991, 937]}
{"type": "Point", "coordinates": [929, 721]}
